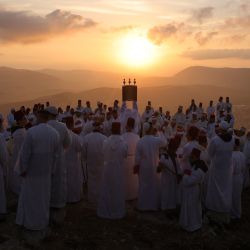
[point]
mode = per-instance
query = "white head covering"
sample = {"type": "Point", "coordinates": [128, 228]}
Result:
{"type": "Point", "coordinates": [52, 110]}
{"type": "Point", "coordinates": [224, 125]}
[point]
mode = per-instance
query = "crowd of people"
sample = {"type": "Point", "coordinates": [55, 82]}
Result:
{"type": "Point", "coordinates": [191, 164]}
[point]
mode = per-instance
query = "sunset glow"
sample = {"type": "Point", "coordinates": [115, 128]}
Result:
{"type": "Point", "coordinates": [136, 51]}
{"type": "Point", "coordinates": [157, 37]}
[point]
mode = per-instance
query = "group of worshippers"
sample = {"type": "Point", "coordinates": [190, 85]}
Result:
{"type": "Point", "coordinates": [190, 163]}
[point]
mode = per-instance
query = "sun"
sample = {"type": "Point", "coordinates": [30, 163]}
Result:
{"type": "Point", "coordinates": [136, 51]}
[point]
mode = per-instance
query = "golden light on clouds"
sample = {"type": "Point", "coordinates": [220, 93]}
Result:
{"type": "Point", "coordinates": [136, 50]}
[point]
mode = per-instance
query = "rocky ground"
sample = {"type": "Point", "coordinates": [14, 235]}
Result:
{"type": "Point", "coordinates": [83, 230]}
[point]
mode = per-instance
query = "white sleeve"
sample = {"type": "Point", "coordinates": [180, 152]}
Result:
{"type": "Point", "coordinates": [25, 154]}
{"type": "Point", "coordinates": [194, 179]}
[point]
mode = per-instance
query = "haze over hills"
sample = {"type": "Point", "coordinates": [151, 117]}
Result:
{"type": "Point", "coordinates": [25, 87]}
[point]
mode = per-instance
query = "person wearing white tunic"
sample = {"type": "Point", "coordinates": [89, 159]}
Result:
{"type": "Point", "coordinates": [180, 117]}
{"type": "Point", "coordinates": [191, 211]}
{"type": "Point", "coordinates": [219, 191]}
{"type": "Point", "coordinates": [146, 161]}
{"type": "Point", "coordinates": [3, 173]}
{"type": "Point", "coordinates": [210, 110]}
{"type": "Point", "coordinates": [37, 164]}
{"type": "Point", "coordinates": [59, 179]}
{"type": "Point", "coordinates": [73, 165]}
{"type": "Point", "coordinates": [111, 203]}
{"type": "Point", "coordinates": [239, 164]}
{"type": "Point", "coordinates": [246, 152]}
{"type": "Point", "coordinates": [11, 118]}
{"type": "Point", "coordinates": [18, 139]}
{"type": "Point", "coordinates": [204, 157]}
{"type": "Point", "coordinates": [170, 176]}
{"type": "Point", "coordinates": [131, 180]}
{"type": "Point", "coordinates": [93, 156]}
{"type": "Point", "coordinates": [192, 136]}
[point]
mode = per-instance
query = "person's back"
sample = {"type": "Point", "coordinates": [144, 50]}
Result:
{"type": "Point", "coordinates": [93, 156]}
{"type": "Point", "coordinates": [37, 163]}
{"type": "Point", "coordinates": [111, 203]}
{"type": "Point", "coordinates": [58, 192]}
{"type": "Point", "coordinates": [14, 179]}
{"type": "Point", "coordinates": [131, 181]}
{"type": "Point", "coordinates": [239, 165]}
{"type": "Point", "coordinates": [74, 169]}
{"type": "Point", "coordinates": [147, 159]}
{"type": "Point", "coordinates": [219, 193]}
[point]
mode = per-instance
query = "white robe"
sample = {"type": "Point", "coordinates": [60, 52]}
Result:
{"type": "Point", "coordinates": [204, 157]}
{"type": "Point", "coordinates": [191, 211]}
{"type": "Point", "coordinates": [59, 179]}
{"type": "Point", "coordinates": [14, 178]}
{"type": "Point", "coordinates": [247, 155]}
{"type": "Point", "coordinates": [219, 191]}
{"type": "Point", "coordinates": [239, 164]}
{"type": "Point", "coordinates": [74, 169]}
{"type": "Point", "coordinates": [38, 159]}
{"type": "Point", "coordinates": [169, 185]}
{"type": "Point", "coordinates": [93, 157]}
{"type": "Point", "coordinates": [147, 157]}
{"type": "Point", "coordinates": [111, 203]}
{"type": "Point", "coordinates": [186, 152]}
{"type": "Point", "coordinates": [3, 171]}
{"type": "Point", "coordinates": [131, 180]}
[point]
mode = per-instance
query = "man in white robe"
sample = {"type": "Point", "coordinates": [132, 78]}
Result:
{"type": "Point", "coordinates": [210, 110]}
{"type": "Point", "coordinates": [191, 210]}
{"type": "Point", "coordinates": [180, 117]}
{"type": "Point", "coordinates": [219, 192]}
{"type": "Point", "coordinates": [146, 161]}
{"type": "Point", "coordinates": [131, 180]}
{"type": "Point", "coordinates": [73, 165]}
{"type": "Point", "coordinates": [18, 139]}
{"type": "Point", "coordinates": [11, 118]}
{"type": "Point", "coordinates": [37, 165]}
{"type": "Point", "coordinates": [111, 203]}
{"type": "Point", "coordinates": [93, 157]}
{"type": "Point", "coordinates": [239, 165]}
{"type": "Point", "coordinates": [246, 152]}
{"type": "Point", "coordinates": [59, 185]}
{"type": "Point", "coordinates": [192, 137]}
{"type": "Point", "coordinates": [170, 177]}
{"type": "Point", "coordinates": [3, 173]}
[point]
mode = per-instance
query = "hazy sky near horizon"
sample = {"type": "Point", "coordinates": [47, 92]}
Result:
{"type": "Point", "coordinates": [155, 37]}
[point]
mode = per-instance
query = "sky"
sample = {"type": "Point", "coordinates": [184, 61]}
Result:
{"type": "Point", "coordinates": [152, 37]}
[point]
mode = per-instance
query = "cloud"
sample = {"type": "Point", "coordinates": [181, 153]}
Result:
{"type": "Point", "coordinates": [238, 38]}
{"type": "Point", "coordinates": [235, 22]}
{"type": "Point", "coordinates": [26, 27]}
{"type": "Point", "coordinates": [212, 54]}
{"type": "Point", "coordinates": [202, 14]}
{"type": "Point", "coordinates": [123, 28]}
{"type": "Point", "coordinates": [159, 34]}
{"type": "Point", "coordinates": [202, 39]}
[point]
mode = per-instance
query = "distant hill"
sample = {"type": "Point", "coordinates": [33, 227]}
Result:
{"type": "Point", "coordinates": [87, 79]}
{"type": "Point", "coordinates": [227, 77]}
{"type": "Point", "coordinates": [21, 84]}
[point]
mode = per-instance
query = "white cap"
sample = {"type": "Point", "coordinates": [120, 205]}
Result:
{"type": "Point", "coordinates": [52, 110]}
{"type": "Point", "coordinates": [224, 125]}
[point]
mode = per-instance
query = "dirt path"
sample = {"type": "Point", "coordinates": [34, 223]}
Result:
{"type": "Point", "coordinates": [83, 230]}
